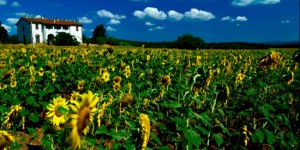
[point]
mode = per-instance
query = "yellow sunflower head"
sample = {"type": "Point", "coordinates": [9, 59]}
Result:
{"type": "Point", "coordinates": [80, 85]}
{"type": "Point", "coordinates": [55, 114]}
{"type": "Point", "coordinates": [82, 117]}
{"type": "Point", "coordinates": [5, 139]}
{"type": "Point", "coordinates": [105, 76]}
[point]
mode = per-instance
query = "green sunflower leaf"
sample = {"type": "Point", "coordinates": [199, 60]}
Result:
{"type": "Point", "coordinates": [62, 110]}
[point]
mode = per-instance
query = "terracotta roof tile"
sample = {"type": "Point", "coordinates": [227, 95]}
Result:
{"type": "Point", "coordinates": [52, 22]}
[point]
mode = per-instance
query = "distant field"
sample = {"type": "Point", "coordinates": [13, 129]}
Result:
{"type": "Point", "coordinates": [138, 98]}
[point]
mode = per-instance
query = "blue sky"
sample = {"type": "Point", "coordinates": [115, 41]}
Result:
{"type": "Point", "coordinates": [165, 20]}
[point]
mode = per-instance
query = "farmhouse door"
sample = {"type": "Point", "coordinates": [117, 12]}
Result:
{"type": "Point", "coordinates": [37, 38]}
{"type": "Point", "coordinates": [51, 38]}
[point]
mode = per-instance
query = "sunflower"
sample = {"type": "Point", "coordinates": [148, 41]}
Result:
{"type": "Point", "coordinates": [8, 122]}
{"type": "Point", "coordinates": [53, 77]}
{"type": "Point", "coordinates": [5, 139]}
{"type": "Point", "coordinates": [103, 108]}
{"type": "Point", "coordinates": [3, 86]}
{"type": "Point", "coordinates": [117, 79]}
{"type": "Point", "coordinates": [80, 85]}
{"type": "Point", "coordinates": [105, 76]}
{"type": "Point", "coordinates": [53, 111]}
{"type": "Point", "coordinates": [145, 123]}
{"type": "Point", "coordinates": [165, 80]}
{"type": "Point", "coordinates": [117, 87]}
{"type": "Point", "coordinates": [127, 71]}
{"type": "Point", "coordinates": [82, 117]}
{"type": "Point", "coordinates": [239, 78]}
{"type": "Point", "coordinates": [13, 82]}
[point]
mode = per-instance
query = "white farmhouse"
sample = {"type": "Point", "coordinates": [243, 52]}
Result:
{"type": "Point", "coordinates": [40, 30]}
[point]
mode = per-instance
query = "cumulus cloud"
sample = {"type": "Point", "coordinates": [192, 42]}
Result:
{"type": "Point", "coordinates": [107, 14]}
{"type": "Point", "coordinates": [157, 28]}
{"type": "Point", "coordinates": [149, 23]}
{"type": "Point", "coordinates": [241, 18]}
{"type": "Point", "coordinates": [114, 21]}
{"type": "Point", "coordinates": [12, 20]}
{"type": "Point", "coordinates": [21, 14]}
{"type": "Point", "coordinates": [3, 2]}
{"type": "Point", "coordinates": [7, 27]}
{"type": "Point", "coordinates": [199, 14]}
{"type": "Point", "coordinates": [109, 28]}
{"type": "Point", "coordinates": [238, 18]}
{"type": "Point", "coordinates": [15, 4]}
{"type": "Point", "coordinates": [174, 15]}
{"type": "Point", "coordinates": [150, 12]}
{"type": "Point", "coordinates": [285, 21]}
{"type": "Point", "coordinates": [84, 20]}
{"type": "Point", "coordinates": [254, 2]}
{"type": "Point", "coordinates": [227, 18]}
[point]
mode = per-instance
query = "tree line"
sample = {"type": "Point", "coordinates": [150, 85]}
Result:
{"type": "Point", "coordinates": [185, 41]}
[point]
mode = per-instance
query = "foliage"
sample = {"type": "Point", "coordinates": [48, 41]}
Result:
{"type": "Point", "coordinates": [99, 31]}
{"type": "Point", "coordinates": [188, 41]}
{"type": "Point", "coordinates": [203, 99]}
{"type": "Point", "coordinates": [63, 38]}
{"type": "Point", "coordinates": [13, 39]}
{"type": "Point", "coordinates": [3, 34]}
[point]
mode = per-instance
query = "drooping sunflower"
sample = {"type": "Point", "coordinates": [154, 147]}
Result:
{"type": "Point", "coordinates": [8, 122]}
{"type": "Point", "coordinates": [5, 139]}
{"type": "Point", "coordinates": [53, 113]}
{"type": "Point", "coordinates": [145, 123]}
{"type": "Point", "coordinates": [81, 118]}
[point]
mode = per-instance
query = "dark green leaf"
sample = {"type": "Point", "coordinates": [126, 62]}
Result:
{"type": "Point", "coordinates": [34, 117]}
{"type": "Point", "coordinates": [251, 92]}
{"type": "Point", "coordinates": [264, 111]}
{"type": "Point", "coordinates": [155, 138]}
{"type": "Point", "coordinates": [192, 137]}
{"type": "Point", "coordinates": [62, 110]}
{"type": "Point", "coordinates": [257, 136]}
{"type": "Point", "coordinates": [219, 139]}
{"type": "Point", "coordinates": [174, 104]}
{"type": "Point", "coordinates": [292, 141]}
{"type": "Point", "coordinates": [24, 112]}
{"type": "Point", "coordinates": [221, 112]}
{"type": "Point", "coordinates": [271, 139]}
{"type": "Point", "coordinates": [164, 148]}
{"type": "Point", "coordinates": [102, 129]}
{"type": "Point", "coordinates": [42, 93]}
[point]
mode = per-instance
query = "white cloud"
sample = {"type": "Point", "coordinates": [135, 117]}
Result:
{"type": "Point", "coordinates": [149, 23]}
{"type": "Point", "coordinates": [106, 14]}
{"type": "Point", "coordinates": [241, 18]}
{"type": "Point", "coordinates": [109, 28]}
{"type": "Point", "coordinates": [38, 16]}
{"type": "Point", "coordinates": [174, 15]}
{"type": "Point", "coordinates": [254, 2]}
{"type": "Point", "coordinates": [15, 4]}
{"type": "Point", "coordinates": [157, 28]}
{"type": "Point", "coordinates": [84, 20]}
{"type": "Point", "coordinates": [285, 21]}
{"type": "Point", "coordinates": [22, 14]}
{"type": "Point", "coordinates": [150, 12]}
{"type": "Point", "coordinates": [114, 21]}
{"type": "Point", "coordinates": [12, 20]}
{"type": "Point", "coordinates": [227, 18]}
{"type": "Point", "coordinates": [3, 2]}
{"type": "Point", "coordinates": [7, 27]}
{"type": "Point", "coordinates": [238, 18]}
{"type": "Point", "coordinates": [199, 14]}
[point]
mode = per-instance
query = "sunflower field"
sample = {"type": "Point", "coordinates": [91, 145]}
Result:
{"type": "Point", "coordinates": [102, 97]}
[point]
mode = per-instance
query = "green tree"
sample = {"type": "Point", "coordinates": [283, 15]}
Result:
{"type": "Point", "coordinates": [3, 34]}
{"type": "Point", "coordinates": [13, 39]}
{"type": "Point", "coordinates": [99, 31]}
{"type": "Point", "coordinates": [188, 41]}
{"type": "Point", "coordinates": [63, 38]}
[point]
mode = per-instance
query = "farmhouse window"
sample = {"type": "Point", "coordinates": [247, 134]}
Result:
{"type": "Point", "coordinates": [58, 27]}
{"type": "Point", "coordinates": [76, 28]}
{"type": "Point", "coordinates": [66, 27]}
{"type": "Point", "coordinates": [23, 28]}
{"type": "Point", "coordinates": [49, 26]}
{"type": "Point", "coordinates": [36, 26]}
